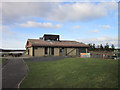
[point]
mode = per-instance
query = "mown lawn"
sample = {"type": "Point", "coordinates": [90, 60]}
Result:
{"type": "Point", "coordinates": [72, 73]}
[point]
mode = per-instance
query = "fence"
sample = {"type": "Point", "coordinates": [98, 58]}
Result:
{"type": "Point", "coordinates": [90, 55]}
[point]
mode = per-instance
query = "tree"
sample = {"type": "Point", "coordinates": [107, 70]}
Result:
{"type": "Point", "coordinates": [93, 47]}
{"type": "Point", "coordinates": [90, 46]}
{"type": "Point", "coordinates": [107, 47]}
{"type": "Point", "coordinates": [101, 47]}
{"type": "Point", "coordinates": [112, 47]}
{"type": "Point", "coordinates": [98, 46]}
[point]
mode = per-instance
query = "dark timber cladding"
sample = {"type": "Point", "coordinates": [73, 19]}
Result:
{"type": "Point", "coordinates": [51, 45]}
{"type": "Point", "coordinates": [51, 37]}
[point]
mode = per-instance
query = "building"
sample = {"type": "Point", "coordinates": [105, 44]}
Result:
{"type": "Point", "coordinates": [51, 45]}
{"type": "Point", "coordinates": [11, 52]}
{"type": "Point", "coordinates": [116, 54]}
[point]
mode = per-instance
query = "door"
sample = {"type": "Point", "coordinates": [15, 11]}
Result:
{"type": "Point", "coordinates": [52, 51]}
{"type": "Point", "coordinates": [28, 51]}
{"type": "Point", "coordinates": [46, 51]}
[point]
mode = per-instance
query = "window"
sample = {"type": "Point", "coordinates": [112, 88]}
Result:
{"type": "Point", "coordinates": [61, 50]}
{"type": "Point", "coordinates": [35, 47]}
{"type": "Point", "coordinates": [82, 50]}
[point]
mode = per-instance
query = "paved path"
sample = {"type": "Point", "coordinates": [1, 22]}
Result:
{"type": "Point", "coordinates": [13, 72]}
{"type": "Point", "coordinates": [47, 58]}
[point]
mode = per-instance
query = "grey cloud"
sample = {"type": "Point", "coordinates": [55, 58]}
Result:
{"type": "Point", "coordinates": [101, 40]}
{"type": "Point", "coordinates": [40, 25]}
{"type": "Point", "coordinates": [14, 12]}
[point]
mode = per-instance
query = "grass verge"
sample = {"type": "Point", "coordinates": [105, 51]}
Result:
{"type": "Point", "coordinates": [3, 61]}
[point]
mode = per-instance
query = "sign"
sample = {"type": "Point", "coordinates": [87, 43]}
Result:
{"type": "Point", "coordinates": [85, 55]}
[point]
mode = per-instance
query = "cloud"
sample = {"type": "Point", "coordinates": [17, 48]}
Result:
{"type": "Point", "coordinates": [6, 31]}
{"type": "Point", "coordinates": [0, 13]}
{"type": "Point", "coordinates": [94, 31]}
{"type": "Point", "coordinates": [105, 26]}
{"type": "Point", "coordinates": [13, 44]}
{"type": "Point", "coordinates": [12, 13]}
{"type": "Point", "coordinates": [81, 11]}
{"type": "Point", "coordinates": [40, 25]}
{"type": "Point", "coordinates": [10, 39]}
{"type": "Point", "coordinates": [55, 11]}
{"type": "Point", "coordinates": [101, 40]}
{"type": "Point", "coordinates": [60, 1]}
{"type": "Point", "coordinates": [76, 27]}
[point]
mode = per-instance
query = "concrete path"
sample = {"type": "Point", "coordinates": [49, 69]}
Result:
{"type": "Point", "coordinates": [13, 72]}
{"type": "Point", "coordinates": [47, 58]}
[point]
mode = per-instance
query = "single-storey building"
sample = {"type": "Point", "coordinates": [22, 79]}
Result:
{"type": "Point", "coordinates": [51, 45]}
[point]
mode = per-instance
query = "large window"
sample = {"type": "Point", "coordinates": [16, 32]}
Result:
{"type": "Point", "coordinates": [61, 50]}
{"type": "Point", "coordinates": [82, 50]}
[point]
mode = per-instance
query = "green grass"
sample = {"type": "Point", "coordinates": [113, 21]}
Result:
{"type": "Point", "coordinates": [3, 61]}
{"type": "Point", "coordinates": [72, 73]}
{"type": "Point", "coordinates": [0, 60]}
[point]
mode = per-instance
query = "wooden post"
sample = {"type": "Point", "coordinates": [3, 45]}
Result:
{"type": "Point", "coordinates": [86, 50]}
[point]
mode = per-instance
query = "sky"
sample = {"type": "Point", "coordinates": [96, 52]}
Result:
{"type": "Point", "coordinates": [85, 21]}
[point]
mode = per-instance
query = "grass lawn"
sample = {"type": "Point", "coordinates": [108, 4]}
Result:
{"type": "Point", "coordinates": [3, 61]}
{"type": "Point", "coordinates": [72, 73]}
{"type": "Point", "coordinates": [0, 60]}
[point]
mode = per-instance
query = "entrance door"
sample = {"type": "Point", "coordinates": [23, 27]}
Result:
{"type": "Point", "coordinates": [46, 51]}
{"type": "Point", "coordinates": [52, 51]}
{"type": "Point", "coordinates": [28, 51]}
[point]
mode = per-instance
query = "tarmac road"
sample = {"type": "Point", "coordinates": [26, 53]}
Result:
{"type": "Point", "coordinates": [13, 72]}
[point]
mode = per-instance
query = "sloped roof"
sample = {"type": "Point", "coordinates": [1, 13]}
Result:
{"type": "Point", "coordinates": [65, 43]}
